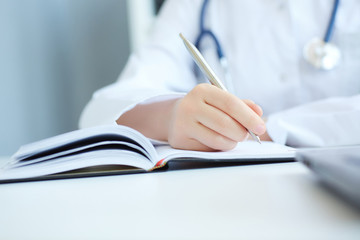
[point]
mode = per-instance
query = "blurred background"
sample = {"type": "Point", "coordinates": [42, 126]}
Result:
{"type": "Point", "coordinates": [55, 53]}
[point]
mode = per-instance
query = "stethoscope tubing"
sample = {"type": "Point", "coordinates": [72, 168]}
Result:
{"type": "Point", "coordinates": [220, 53]}
{"type": "Point", "coordinates": [204, 32]}
{"type": "Point", "coordinates": [330, 27]}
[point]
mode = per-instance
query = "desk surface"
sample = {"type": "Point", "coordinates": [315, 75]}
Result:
{"type": "Point", "coordinates": [273, 201]}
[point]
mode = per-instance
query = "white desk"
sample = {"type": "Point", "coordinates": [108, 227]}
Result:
{"type": "Point", "coordinates": [275, 201]}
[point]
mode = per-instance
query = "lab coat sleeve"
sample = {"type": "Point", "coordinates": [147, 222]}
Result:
{"type": "Point", "coordinates": [329, 122]}
{"type": "Point", "coordinates": [161, 69]}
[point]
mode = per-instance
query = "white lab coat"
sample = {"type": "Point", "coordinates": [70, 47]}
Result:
{"type": "Point", "coordinates": [263, 41]}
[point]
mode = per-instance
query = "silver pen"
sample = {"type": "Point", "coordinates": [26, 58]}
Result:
{"type": "Point", "coordinates": [209, 73]}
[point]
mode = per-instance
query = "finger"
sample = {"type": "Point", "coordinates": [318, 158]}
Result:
{"type": "Point", "coordinates": [221, 123]}
{"type": "Point", "coordinates": [212, 139]}
{"type": "Point", "coordinates": [256, 108]}
{"type": "Point", "coordinates": [236, 108]}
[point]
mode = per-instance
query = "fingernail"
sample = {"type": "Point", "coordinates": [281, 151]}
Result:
{"type": "Point", "coordinates": [260, 129]}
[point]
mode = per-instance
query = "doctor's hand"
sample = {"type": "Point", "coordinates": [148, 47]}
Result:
{"type": "Point", "coordinates": [206, 119]}
{"type": "Point", "coordinates": [209, 119]}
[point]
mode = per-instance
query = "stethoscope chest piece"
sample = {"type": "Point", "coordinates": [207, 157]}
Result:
{"type": "Point", "coordinates": [322, 55]}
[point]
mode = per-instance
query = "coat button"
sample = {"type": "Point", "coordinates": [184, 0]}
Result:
{"type": "Point", "coordinates": [283, 77]}
{"type": "Point", "coordinates": [281, 5]}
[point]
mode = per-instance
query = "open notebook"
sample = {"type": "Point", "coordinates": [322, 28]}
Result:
{"type": "Point", "coordinates": [117, 149]}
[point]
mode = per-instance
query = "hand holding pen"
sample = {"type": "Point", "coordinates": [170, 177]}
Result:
{"type": "Point", "coordinates": [210, 118]}
{"type": "Point", "coordinates": [209, 73]}
{"type": "Point", "coordinates": [207, 118]}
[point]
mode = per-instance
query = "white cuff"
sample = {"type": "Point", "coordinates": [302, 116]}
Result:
{"type": "Point", "coordinates": [275, 130]}
{"type": "Point", "coordinates": [150, 100]}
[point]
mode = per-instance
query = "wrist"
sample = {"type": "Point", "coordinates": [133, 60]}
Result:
{"type": "Point", "coordinates": [152, 120]}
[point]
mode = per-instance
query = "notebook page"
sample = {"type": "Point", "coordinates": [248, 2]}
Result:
{"type": "Point", "coordinates": [88, 159]}
{"type": "Point", "coordinates": [244, 150]}
{"type": "Point", "coordinates": [70, 140]}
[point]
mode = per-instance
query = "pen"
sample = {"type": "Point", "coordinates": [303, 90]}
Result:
{"type": "Point", "coordinates": [209, 73]}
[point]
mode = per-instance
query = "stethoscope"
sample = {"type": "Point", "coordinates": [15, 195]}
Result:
{"type": "Point", "coordinates": [320, 53]}
{"type": "Point", "coordinates": [204, 32]}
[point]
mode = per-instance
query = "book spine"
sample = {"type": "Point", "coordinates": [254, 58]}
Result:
{"type": "Point", "coordinates": [159, 164]}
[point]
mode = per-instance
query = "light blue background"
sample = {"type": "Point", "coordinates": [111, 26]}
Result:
{"type": "Point", "coordinates": [53, 55]}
